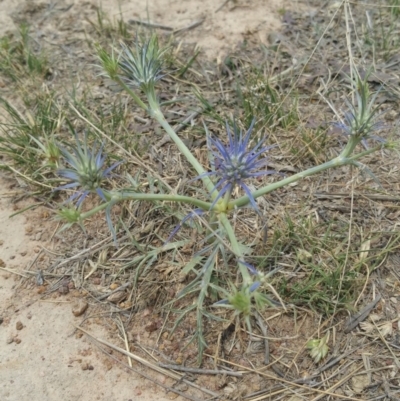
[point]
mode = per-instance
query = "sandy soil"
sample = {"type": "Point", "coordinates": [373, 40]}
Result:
{"type": "Point", "coordinates": [221, 24]}
{"type": "Point", "coordinates": [42, 357]}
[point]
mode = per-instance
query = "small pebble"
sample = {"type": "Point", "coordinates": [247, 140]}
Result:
{"type": "Point", "coordinates": [86, 366]}
{"type": "Point", "coordinates": [41, 289]}
{"type": "Point", "coordinates": [10, 340]}
{"type": "Point", "coordinates": [19, 325]}
{"type": "Point", "coordinates": [17, 340]}
{"type": "Point", "coordinates": [117, 297]}
{"type": "Point", "coordinates": [63, 289]}
{"type": "Point", "coordinates": [79, 308]}
{"type": "Point", "coordinates": [108, 364]}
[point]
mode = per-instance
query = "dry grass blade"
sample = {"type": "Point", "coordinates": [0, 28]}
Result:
{"type": "Point", "coordinates": [321, 195]}
{"type": "Point", "coordinates": [201, 371]}
{"type": "Point", "coordinates": [192, 25]}
{"type": "Point", "coordinates": [263, 329]}
{"type": "Point", "coordinates": [150, 24]}
{"type": "Point", "coordinates": [283, 382]}
{"type": "Point", "coordinates": [13, 272]}
{"type": "Point", "coordinates": [25, 177]}
{"type": "Point", "coordinates": [125, 338]}
{"type": "Point", "coordinates": [361, 315]}
{"type": "Point", "coordinates": [104, 243]}
{"type": "Point", "coordinates": [118, 289]}
{"type": "Point", "coordinates": [338, 384]}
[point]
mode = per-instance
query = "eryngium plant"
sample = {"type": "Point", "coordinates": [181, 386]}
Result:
{"type": "Point", "coordinates": [360, 119]}
{"type": "Point", "coordinates": [235, 161]}
{"type": "Point", "coordinates": [142, 67]}
{"type": "Point", "coordinates": [86, 170]}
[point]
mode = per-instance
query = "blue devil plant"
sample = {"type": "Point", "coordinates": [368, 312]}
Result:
{"type": "Point", "coordinates": [234, 161]}
{"type": "Point", "coordinates": [86, 170]}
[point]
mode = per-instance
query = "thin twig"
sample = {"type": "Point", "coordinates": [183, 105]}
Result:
{"type": "Point", "coordinates": [96, 247]}
{"type": "Point", "coordinates": [120, 288]}
{"type": "Point", "coordinates": [382, 337]}
{"type": "Point", "coordinates": [190, 26]}
{"type": "Point", "coordinates": [13, 272]}
{"type": "Point", "coordinates": [349, 241]}
{"type": "Point", "coordinates": [284, 381]}
{"type": "Point", "coordinates": [150, 24]}
{"type": "Point", "coordinates": [338, 384]}
{"type": "Point", "coordinates": [321, 195]}
{"type": "Point", "coordinates": [25, 177]}
{"type": "Point", "coordinates": [184, 123]}
{"type": "Point", "coordinates": [263, 329]}
{"type": "Point", "coordinates": [222, 6]}
{"type": "Point", "coordinates": [361, 315]}
{"type": "Point", "coordinates": [334, 361]}
{"type": "Point", "coordinates": [180, 368]}
{"type": "Point", "coordinates": [122, 328]}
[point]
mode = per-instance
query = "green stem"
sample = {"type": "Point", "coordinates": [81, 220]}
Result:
{"type": "Point", "coordinates": [132, 94]}
{"type": "Point", "coordinates": [349, 148]}
{"type": "Point", "coordinates": [164, 197]}
{"type": "Point", "coordinates": [341, 160]}
{"type": "Point", "coordinates": [156, 113]}
{"type": "Point", "coordinates": [114, 197]}
{"type": "Point", "coordinates": [93, 211]}
{"type": "Point", "coordinates": [236, 248]}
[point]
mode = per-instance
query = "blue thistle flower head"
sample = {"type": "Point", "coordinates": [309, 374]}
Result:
{"type": "Point", "coordinates": [142, 67]}
{"type": "Point", "coordinates": [86, 170]}
{"type": "Point", "coordinates": [236, 162]}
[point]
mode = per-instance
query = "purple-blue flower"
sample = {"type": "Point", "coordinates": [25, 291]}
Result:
{"type": "Point", "coordinates": [236, 162]}
{"type": "Point", "coordinates": [86, 170]}
{"type": "Point", "coordinates": [250, 267]}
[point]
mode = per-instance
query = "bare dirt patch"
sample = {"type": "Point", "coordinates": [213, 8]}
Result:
{"type": "Point", "coordinates": [216, 27]}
